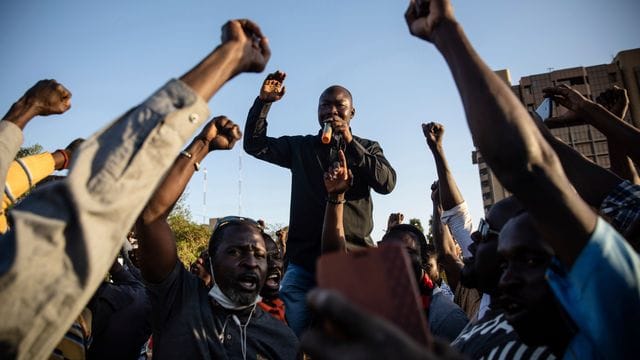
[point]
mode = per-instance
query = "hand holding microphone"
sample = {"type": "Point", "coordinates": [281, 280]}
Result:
{"type": "Point", "coordinates": [327, 131]}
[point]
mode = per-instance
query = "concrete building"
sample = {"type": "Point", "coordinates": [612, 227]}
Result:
{"type": "Point", "coordinates": [590, 81]}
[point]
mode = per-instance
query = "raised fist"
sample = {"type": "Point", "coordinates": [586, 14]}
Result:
{"type": "Point", "coordinates": [433, 132]}
{"type": "Point", "coordinates": [48, 97]}
{"type": "Point", "coordinates": [220, 133]}
{"type": "Point", "coordinates": [254, 46]}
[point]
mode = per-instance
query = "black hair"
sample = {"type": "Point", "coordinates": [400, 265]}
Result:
{"type": "Point", "coordinates": [417, 235]}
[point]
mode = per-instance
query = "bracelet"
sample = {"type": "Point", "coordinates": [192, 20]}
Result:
{"type": "Point", "coordinates": [335, 201]}
{"type": "Point", "coordinates": [188, 155]}
{"type": "Point", "coordinates": [64, 154]}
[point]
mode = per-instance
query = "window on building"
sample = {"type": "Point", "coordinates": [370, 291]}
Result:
{"type": "Point", "coordinates": [580, 133]}
{"type": "Point", "coordinates": [484, 171]}
{"type": "Point", "coordinates": [613, 77]}
{"type": "Point", "coordinates": [601, 147]}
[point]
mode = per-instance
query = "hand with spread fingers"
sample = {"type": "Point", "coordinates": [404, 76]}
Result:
{"type": "Point", "coordinates": [220, 134]}
{"type": "Point", "coordinates": [272, 89]}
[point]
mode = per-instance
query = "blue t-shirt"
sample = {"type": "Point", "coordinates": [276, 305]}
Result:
{"type": "Point", "coordinates": [602, 296]}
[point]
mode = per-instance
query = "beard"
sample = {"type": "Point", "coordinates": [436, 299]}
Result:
{"type": "Point", "coordinates": [241, 298]}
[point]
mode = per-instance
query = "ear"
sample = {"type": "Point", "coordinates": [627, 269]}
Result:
{"type": "Point", "coordinates": [353, 112]}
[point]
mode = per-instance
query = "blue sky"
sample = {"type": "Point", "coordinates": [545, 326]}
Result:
{"type": "Point", "coordinates": [112, 54]}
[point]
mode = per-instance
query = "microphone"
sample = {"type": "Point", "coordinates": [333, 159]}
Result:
{"type": "Point", "coordinates": [327, 131]}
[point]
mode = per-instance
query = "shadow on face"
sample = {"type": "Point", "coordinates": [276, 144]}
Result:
{"type": "Point", "coordinates": [529, 303]}
{"type": "Point", "coordinates": [240, 262]}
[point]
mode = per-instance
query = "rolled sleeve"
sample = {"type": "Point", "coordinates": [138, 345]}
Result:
{"type": "Point", "coordinates": [458, 219]}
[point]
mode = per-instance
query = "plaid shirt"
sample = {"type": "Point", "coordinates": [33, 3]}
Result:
{"type": "Point", "coordinates": [622, 206]}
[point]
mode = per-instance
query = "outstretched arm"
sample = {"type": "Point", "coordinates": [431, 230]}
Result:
{"type": "Point", "coordinates": [337, 181]}
{"type": "Point", "coordinates": [46, 97]}
{"type": "Point", "coordinates": [256, 142]}
{"type": "Point", "coordinates": [622, 134]}
{"type": "Point", "coordinates": [453, 210]}
{"type": "Point", "coordinates": [443, 241]}
{"type": "Point", "coordinates": [616, 101]}
{"type": "Point", "coordinates": [113, 175]}
{"type": "Point", "coordinates": [156, 240]}
{"type": "Point", "coordinates": [530, 168]}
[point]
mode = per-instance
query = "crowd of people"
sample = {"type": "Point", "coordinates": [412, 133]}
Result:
{"type": "Point", "coordinates": [89, 266]}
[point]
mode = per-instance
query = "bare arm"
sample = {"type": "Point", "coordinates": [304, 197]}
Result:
{"type": "Point", "coordinates": [530, 168]}
{"type": "Point", "coordinates": [625, 136]}
{"type": "Point", "coordinates": [156, 240]}
{"type": "Point", "coordinates": [244, 49]}
{"type": "Point", "coordinates": [443, 241]}
{"type": "Point", "coordinates": [449, 193]}
{"type": "Point", "coordinates": [336, 181]}
{"type": "Point", "coordinates": [46, 97]}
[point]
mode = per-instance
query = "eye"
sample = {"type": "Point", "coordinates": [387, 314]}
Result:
{"type": "Point", "coordinates": [233, 252]}
{"type": "Point", "coordinates": [259, 255]}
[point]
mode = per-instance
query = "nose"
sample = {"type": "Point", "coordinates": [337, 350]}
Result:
{"type": "Point", "coordinates": [508, 278]}
{"type": "Point", "coordinates": [250, 261]}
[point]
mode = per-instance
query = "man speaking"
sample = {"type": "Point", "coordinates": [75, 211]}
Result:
{"type": "Point", "coordinates": [308, 157]}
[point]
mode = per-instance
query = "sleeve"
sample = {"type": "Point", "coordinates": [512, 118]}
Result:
{"type": "Point", "coordinates": [370, 162]}
{"type": "Point", "coordinates": [10, 141]}
{"type": "Point", "coordinates": [258, 144]}
{"type": "Point", "coordinates": [601, 293]}
{"type": "Point", "coordinates": [164, 295]}
{"type": "Point", "coordinates": [24, 174]}
{"type": "Point", "coordinates": [622, 205]}
{"type": "Point", "coordinates": [460, 224]}
{"type": "Point", "coordinates": [72, 230]}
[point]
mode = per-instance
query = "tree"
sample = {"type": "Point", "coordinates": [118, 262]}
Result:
{"type": "Point", "coordinates": [29, 150]}
{"type": "Point", "coordinates": [416, 222]}
{"type": "Point", "coordinates": [191, 238]}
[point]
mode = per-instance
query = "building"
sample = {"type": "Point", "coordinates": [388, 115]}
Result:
{"type": "Point", "coordinates": [624, 71]}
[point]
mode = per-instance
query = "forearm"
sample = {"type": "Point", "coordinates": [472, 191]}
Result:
{"type": "Point", "coordinates": [208, 76]}
{"type": "Point", "coordinates": [449, 193]}
{"type": "Point", "coordinates": [522, 160]}
{"type": "Point", "coordinates": [255, 129]}
{"type": "Point", "coordinates": [592, 182]}
{"type": "Point", "coordinates": [86, 216]}
{"type": "Point", "coordinates": [20, 113]}
{"type": "Point", "coordinates": [373, 166]}
{"type": "Point", "coordinates": [445, 248]}
{"type": "Point", "coordinates": [175, 182]}
{"type": "Point", "coordinates": [617, 131]}
{"type": "Point", "coordinates": [333, 238]}
{"type": "Point", "coordinates": [621, 165]}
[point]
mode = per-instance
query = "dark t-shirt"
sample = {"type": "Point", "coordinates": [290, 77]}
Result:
{"type": "Point", "coordinates": [493, 338]}
{"type": "Point", "coordinates": [186, 325]}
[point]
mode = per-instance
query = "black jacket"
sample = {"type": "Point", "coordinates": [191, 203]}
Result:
{"type": "Point", "coordinates": [308, 159]}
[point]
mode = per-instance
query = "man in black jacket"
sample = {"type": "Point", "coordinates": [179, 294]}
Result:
{"type": "Point", "coordinates": [308, 158]}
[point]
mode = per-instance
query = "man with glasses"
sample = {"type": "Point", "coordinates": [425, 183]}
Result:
{"type": "Point", "coordinates": [490, 333]}
{"type": "Point", "coordinates": [191, 320]}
